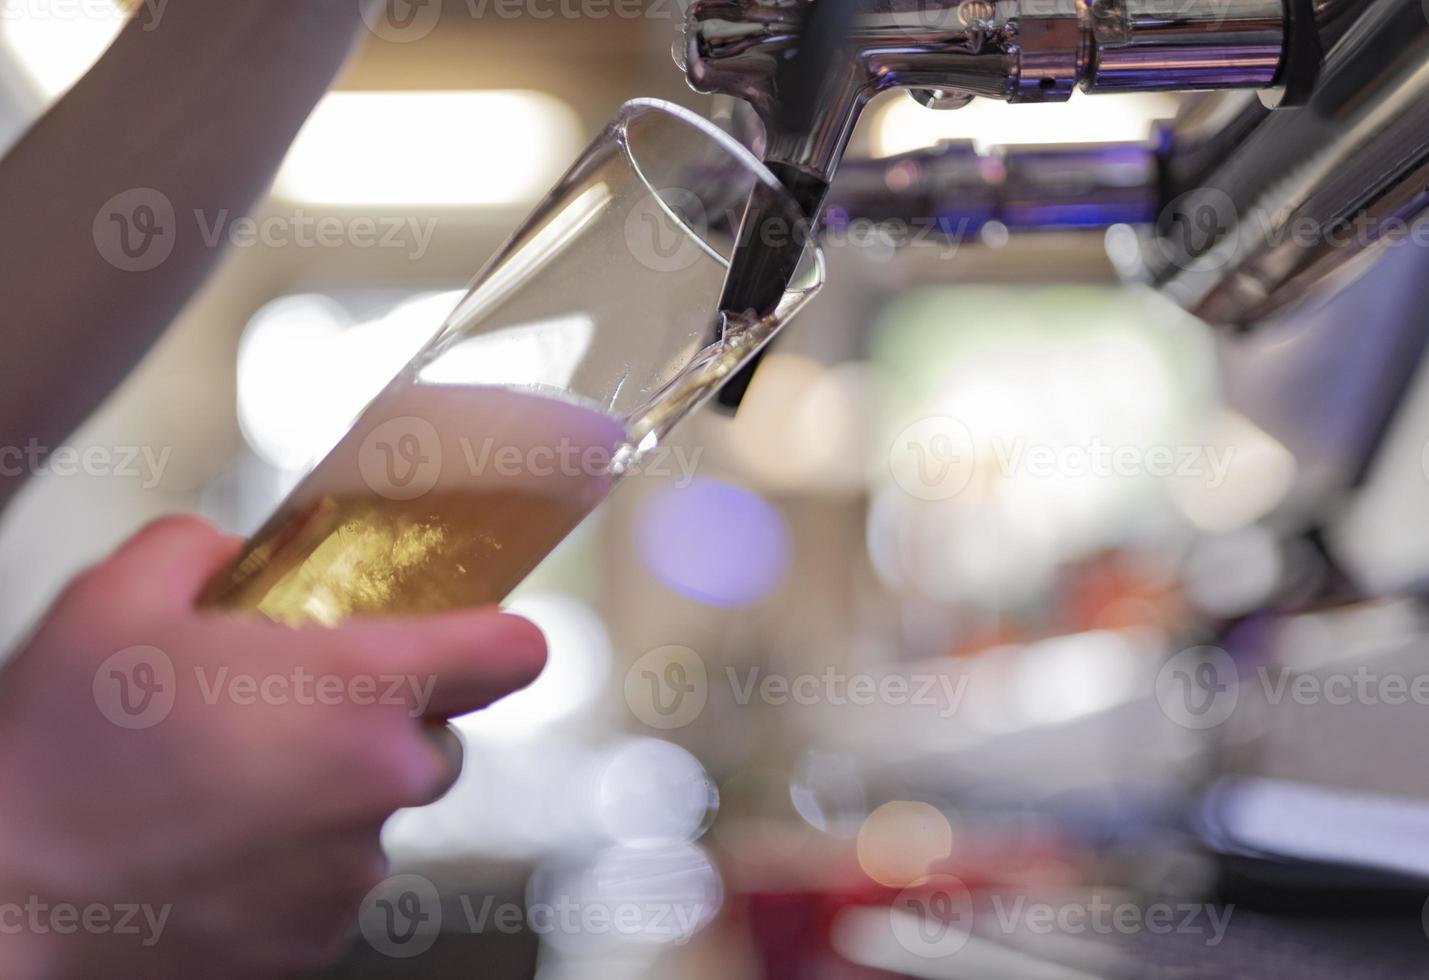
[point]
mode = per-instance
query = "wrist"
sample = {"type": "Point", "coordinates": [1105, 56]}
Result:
{"type": "Point", "coordinates": [306, 21]}
{"type": "Point", "coordinates": [245, 28]}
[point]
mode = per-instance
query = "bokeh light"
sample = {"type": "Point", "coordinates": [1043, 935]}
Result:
{"type": "Point", "coordinates": [577, 669]}
{"type": "Point", "coordinates": [900, 841]}
{"type": "Point", "coordinates": [714, 542]}
{"type": "Point", "coordinates": [445, 136]}
{"type": "Point", "coordinates": [645, 896]}
{"type": "Point", "coordinates": [306, 369]}
{"type": "Point", "coordinates": [650, 790]}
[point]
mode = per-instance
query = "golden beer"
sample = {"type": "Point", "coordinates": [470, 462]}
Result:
{"type": "Point", "coordinates": [440, 497]}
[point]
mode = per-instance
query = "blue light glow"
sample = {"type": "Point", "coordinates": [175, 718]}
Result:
{"type": "Point", "coordinates": [717, 543]}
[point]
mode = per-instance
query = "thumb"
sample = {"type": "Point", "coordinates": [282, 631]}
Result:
{"type": "Point", "coordinates": [455, 663]}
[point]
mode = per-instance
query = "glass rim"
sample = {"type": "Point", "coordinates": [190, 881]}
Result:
{"type": "Point", "coordinates": [742, 155]}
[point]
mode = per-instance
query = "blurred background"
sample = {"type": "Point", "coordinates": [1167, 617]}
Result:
{"type": "Point", "coordinates": [992, 598]}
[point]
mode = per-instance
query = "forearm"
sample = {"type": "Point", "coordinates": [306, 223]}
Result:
{"type": "Point", "coordinates": [24, 953]}
{"type": "Point", "coordinates": [199, 108]}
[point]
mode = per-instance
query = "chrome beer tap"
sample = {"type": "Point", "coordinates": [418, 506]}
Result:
{"type": "Point", "coordinates": [1250, 204]}
{"type": "Point", "coordinates": [947, 52]}
{"type": "Point", "coordinates": [808, 69]}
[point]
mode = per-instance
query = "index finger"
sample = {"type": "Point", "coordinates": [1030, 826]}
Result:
{"type": "Point", "coordinates": [171, 560]}
{"type": "Point", "coordinates": [454, 663]}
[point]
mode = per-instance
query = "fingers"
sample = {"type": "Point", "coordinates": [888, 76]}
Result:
{"type": "Point", "coordinates": [171, 560]}
{"type": "Point", "coordinates": [453, 752]}
{"type": "Point", "coordinates": [455, 663]}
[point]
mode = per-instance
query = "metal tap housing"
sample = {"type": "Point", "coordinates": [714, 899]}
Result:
{"type": "Point", "coordinates": [947, 52]}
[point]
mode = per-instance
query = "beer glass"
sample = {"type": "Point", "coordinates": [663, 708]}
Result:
{"type": "Point", "coordinates": [591, 333]}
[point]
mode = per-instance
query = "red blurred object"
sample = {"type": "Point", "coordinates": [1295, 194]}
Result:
{"type": "Point", "coordinates": [789, 901]}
